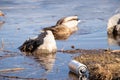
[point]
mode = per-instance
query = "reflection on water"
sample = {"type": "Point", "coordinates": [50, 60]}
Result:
{"type": "Point", "coordinates": [114, 40]}
{"type": "Point", "coordinates": [73, 76]}
{"type": "Point", "coordinates": [46, 60]}
{"type": "Point", "coordinates": [1, 24]}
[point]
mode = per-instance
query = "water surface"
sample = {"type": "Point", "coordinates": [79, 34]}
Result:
{"type": "Point", "coordinates": [25, 18]}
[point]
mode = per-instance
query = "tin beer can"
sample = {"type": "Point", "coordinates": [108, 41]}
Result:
{"type": "Point", "coordinates": [77, 67]}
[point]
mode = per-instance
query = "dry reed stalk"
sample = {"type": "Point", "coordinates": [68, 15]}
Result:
{"type": "Point", "coordinates": [11, 70]}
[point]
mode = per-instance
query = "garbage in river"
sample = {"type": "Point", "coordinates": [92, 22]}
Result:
{"type": "Point", "coordinates": [79, 69]}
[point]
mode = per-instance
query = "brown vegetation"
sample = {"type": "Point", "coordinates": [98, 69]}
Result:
{"type": "Point", "coordinates": [104, 65]}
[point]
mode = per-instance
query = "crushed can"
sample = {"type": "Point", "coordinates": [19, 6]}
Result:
{"type": "Point", "coordinates": [78, 68]}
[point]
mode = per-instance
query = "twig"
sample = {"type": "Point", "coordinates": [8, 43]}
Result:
{"type": "Point", "coordinates": [9, 55]}
{"type": "Point", "coordinates": [7, 51]}
{"type": "Point", "coordinates": [115, 51]}
{"type": "Point", "coordinates": [11, 70]}
{"type": "Point", "coordinates": [15, 77]}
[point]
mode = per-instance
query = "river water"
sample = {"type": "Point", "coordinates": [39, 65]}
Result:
{"type": "Point", "coordinates": [25, 18]}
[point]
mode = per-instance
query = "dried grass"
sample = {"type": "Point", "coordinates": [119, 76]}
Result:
{"type": "Point", "coordinates": [102, 66]}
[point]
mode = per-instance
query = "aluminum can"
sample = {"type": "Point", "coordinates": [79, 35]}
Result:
{"type": "Point", "coordinates": [77, 67]}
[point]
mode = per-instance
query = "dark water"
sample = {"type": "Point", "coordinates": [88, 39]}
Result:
{"type": "Point", "coordinates": [25, 18]}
